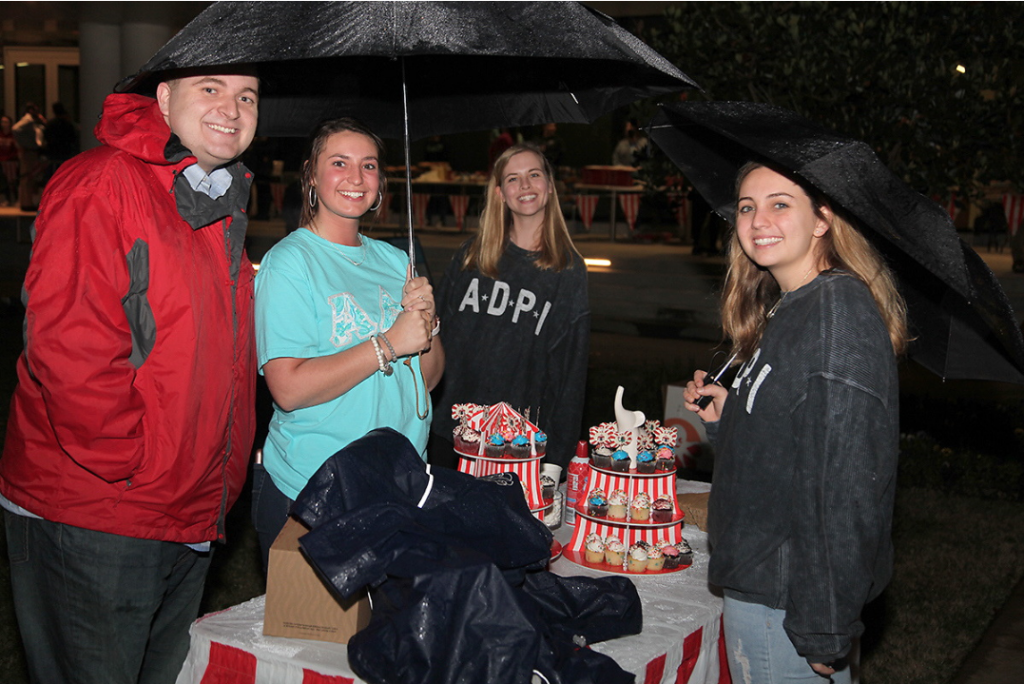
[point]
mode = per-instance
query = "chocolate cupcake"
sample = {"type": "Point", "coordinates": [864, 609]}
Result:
{"type": "Point", "coordinates": [495, 446]}
{"type": "Point", "coordinates": [597, 504]}
{"type": "Point", "coordinates": [540, 443]}
{"type": "Point", "coordinates": [685, 554]}
{"type": "Point", "coordinates": [519, 447]}
{"type": "Point", "coordinates": [671, 556]}
{"type": "Point", "coordinates": [601, 457]}
{"type": "Point", "coordinates": [547, 487]}
{"type": "Point", "coordinates": [662, 509]}
{"type": "Point", "coordinates": [645, 463]}
{"type": "Point", "coordinates": [468, 441]}
{"type": "Point", "coordinates": [664, 459]}
{"type": "Point", "coordinates": [620, 462]}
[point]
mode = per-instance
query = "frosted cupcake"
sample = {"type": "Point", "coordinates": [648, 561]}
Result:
{"type": "Point", "coordinates": [671, 555]}
{"type": "Point", "coordinates": [547, 487]}
{"type": "Point", "coordinates": [617, 503]}
{"type": "Point", "coordinates": [662, 509]}
{"type": "Point", "coordinates": [495, 446]}
{"type": "Point", "coordinates": [664, 459]}
{"type": "Point", "coordinates": [540, 443]}
{"type": "Point", "coordinates": [519, 447]}
{"type": "Point", "coordinates": [645, 463]}
{"type": "Point", "coordinates": [655, 559]}
{"type": "Point", "coordinates": [637, 561]}
{"type": "Point", "coordinates": [594, 548]}
{"type": "Point", "coordinates": [640, 509]}
{"type": "Point", "coordinates": [614, 551]}
{"type": "Point", "coordinates": [685, 554]}
{"type": "Point", "coordinates": [597, 504]}
{"type": "Point", "coordinates": [467, 440]}
{"type": "Point", "coordinates": [620, 461]}
{"type": "Point", "coordinates": [601, 457]}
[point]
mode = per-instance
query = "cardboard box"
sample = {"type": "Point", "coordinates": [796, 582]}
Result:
{"type": "Point", "coordinates": [299, 604]}
{"type": "Point", "coordinates": [692, 451]}
{"type": "Point", "coordinates": [695, 509]}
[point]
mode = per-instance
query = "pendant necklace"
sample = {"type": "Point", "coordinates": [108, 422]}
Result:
{"type": "Point", "coordinates": [771, 311]}
{"type": "Point", "coordinates": [362, 246]}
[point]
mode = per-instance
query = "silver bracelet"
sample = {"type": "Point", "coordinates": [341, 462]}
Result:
{"type": "Point", "coordinates": [394, 356]}
{"type": "Point", "coordinates": [382, 363]}
{"type": "Point", "coordinates": [437, 326]}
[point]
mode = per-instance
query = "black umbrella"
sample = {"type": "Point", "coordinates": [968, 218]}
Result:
{"type": "Point", "coordinates": [465, 65]}
{"type": "Point", "coordinates": [963, 323]}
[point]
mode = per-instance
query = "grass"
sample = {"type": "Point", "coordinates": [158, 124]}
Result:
{"type": "Point", "coordinates": [958, 533]}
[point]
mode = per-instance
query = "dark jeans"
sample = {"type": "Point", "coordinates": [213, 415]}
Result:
{"type": "Point", "coordinates": [270, 507]}
{"type": "Point", "coordinates": [97, 608]}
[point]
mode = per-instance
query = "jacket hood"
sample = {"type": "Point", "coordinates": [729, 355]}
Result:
{"type": "Point", "coordinates": [134, 124]}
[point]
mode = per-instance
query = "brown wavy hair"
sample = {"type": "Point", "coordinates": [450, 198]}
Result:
{"type": "Point", "coordinates": [485, 251]}
{"type": "Point", "coordinates": [750, 291]}
{"type": "Point", "coordinates": [315, 147]}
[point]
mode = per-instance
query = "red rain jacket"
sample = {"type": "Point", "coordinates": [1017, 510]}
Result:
{"type": "Point", "coordinates": [134, 411]}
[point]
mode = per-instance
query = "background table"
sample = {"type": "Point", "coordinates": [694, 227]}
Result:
{"type": "Point", "coordinates": [679, 644]}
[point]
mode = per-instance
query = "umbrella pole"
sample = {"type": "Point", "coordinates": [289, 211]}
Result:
{"type": "Point", "coordinates": [408, 173]}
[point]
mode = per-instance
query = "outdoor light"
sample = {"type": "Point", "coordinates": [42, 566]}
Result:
{"type": "Point", "coordinates": [256, 267]}
{"type": "Point", "coordinates": [597, 262]}
{"type": "Point", "coordinates": [21, 64]}
{"type": "Point", "coordinates": [961, 68]}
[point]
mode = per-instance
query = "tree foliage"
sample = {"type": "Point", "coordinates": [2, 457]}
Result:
{"type": "Point", "coordinates": [882, 72]}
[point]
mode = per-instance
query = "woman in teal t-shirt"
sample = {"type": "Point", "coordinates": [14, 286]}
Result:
{"type": "Point", "coordinates": [345, 338]}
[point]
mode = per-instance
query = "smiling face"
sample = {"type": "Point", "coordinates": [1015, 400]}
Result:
{"type": "Point", "coordinates": [213, 115]}
{"type": "Point", "coordinates": [778, 228]}
{"type": "Point", "coordinates": [524, 186]}
{"type": "Point", "coordinates": [346, 176]}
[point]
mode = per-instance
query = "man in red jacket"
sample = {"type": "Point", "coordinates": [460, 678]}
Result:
{"type": "Point", "coordinates": [132, 423]}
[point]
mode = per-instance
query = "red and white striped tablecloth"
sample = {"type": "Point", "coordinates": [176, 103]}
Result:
{"type": "Point", "coordinates": [1013, 205]}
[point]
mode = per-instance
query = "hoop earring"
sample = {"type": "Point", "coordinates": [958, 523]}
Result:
{"type": "Point", "coordinates": [312, 197]}
{"type": "Point", "coordinates": [380, 201]}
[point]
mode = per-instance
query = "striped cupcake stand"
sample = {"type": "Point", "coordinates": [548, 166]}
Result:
{"type": "Point", "coordinates": [628, 531]}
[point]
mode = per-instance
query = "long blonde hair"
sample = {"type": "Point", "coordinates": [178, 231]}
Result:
{"type": "Point", "coordinates": [750, 290]}
{"type": "Point", "coordinates": [556, 247]}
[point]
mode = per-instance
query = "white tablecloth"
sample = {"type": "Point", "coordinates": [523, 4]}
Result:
{"type": "Point", "coordinates": [679, 643]}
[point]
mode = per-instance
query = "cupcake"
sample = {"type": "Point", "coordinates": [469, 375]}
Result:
{"type": "Point", "coordinates": [547, 487]}
{"type": "Point", "coordinates": [597, 504]}
{"type": "Point", "coordinates": [594, 548]}
{"type": "Point", "coordinates": [620, 461]}
{"type": "Point", "coordinates": [519, 447]}
{"type": "Point", "coordinates": [664, 459]}
{"type": "Point", "coordinates": [671, 555]}
{"type": "Point", "coordinates": [645, 462]}
{"type": "Point", "coordinates": [495, 446]}
{"type": "Point", "coordinates": [685, 554]}
{"type": "Point", "coordinates": [468, 441]}
{"type": "Point", "coordinates": [655, 559]}
{"type": "Point", "coordinates": [640, 509]}
{"type": "Point", "coordinates": [540, 443]}
{"type": "Point", "coordinates": [662, 509]}
{"type": "Point", "coordinates": [617, 502]}
{"type": "Point", "coordinates": [614, 551]}
{"type": "Point", "coordinates": [601, 457]}
{"type": "Point", "coordinates": [637, 561]}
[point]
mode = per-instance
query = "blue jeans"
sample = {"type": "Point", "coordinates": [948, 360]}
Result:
{"type": "Point", "coordinates": [98, 608]}
{"type": "Point", "coordinates": [270, 509]}
{"type": "Point", "coordinates": [760, 652]}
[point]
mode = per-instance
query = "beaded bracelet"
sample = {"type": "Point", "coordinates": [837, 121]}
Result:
{"type": "Point", "coordinates": [382, 363]}
{"type": "Point", "coordinates": [394, 356]}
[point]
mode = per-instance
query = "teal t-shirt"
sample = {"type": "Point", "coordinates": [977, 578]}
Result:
{"type": "Point", "coordinates": [315, 298]}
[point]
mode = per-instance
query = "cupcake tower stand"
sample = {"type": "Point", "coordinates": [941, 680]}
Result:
{"type": "Point", "coordinates": [502, 418]}
{"type": "Point", "coordinates": [629, 432]}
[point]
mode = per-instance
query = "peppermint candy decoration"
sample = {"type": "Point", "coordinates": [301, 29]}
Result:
{"type": "Point", "coordinates": [666, 435]}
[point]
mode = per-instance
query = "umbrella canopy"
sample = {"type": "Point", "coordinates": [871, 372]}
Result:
{"type": "Point", "coordinates": [467, 65]}
{"type": "Point", "coordinates": [960, 316]}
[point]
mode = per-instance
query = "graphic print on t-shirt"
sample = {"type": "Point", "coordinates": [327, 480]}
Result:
{"type": "Point", "coordinates": [499, 301]}
{"type": "Point", "coordinates": [753, 384]}
{"type": "Point", "coordinates": [350, 323]}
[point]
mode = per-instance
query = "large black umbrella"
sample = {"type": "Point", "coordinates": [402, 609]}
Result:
{"type": "Point", "coordinates": [963, 323]}
{"type": "Point", "coordinates": [416, 69]}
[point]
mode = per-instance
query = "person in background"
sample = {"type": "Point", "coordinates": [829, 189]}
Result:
{"type": "Point", "coordinates": [8, 161]}
{"type": "Point", "coordinates": [132, 423]}
{"type": "Point", "coordinates": [501, 142]}
{"type": "Point", "coordinates": [807, 436]}
{"type": "Point", "coordinates": [515, 308]}
{"type": "Point", "coordinates": [61, 137]}
{"type": "Point", "coordinates": [628, 150]}
{"type": "Point", "coordinates": [28, 135]}
{"type": "Point", "coordinates": [346, 338]}
{"type": "Point", "coordinates": [551, 145]}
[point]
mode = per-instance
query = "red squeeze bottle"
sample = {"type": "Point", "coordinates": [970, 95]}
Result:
{"type": "Point", "coordinates": [576, 481]}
